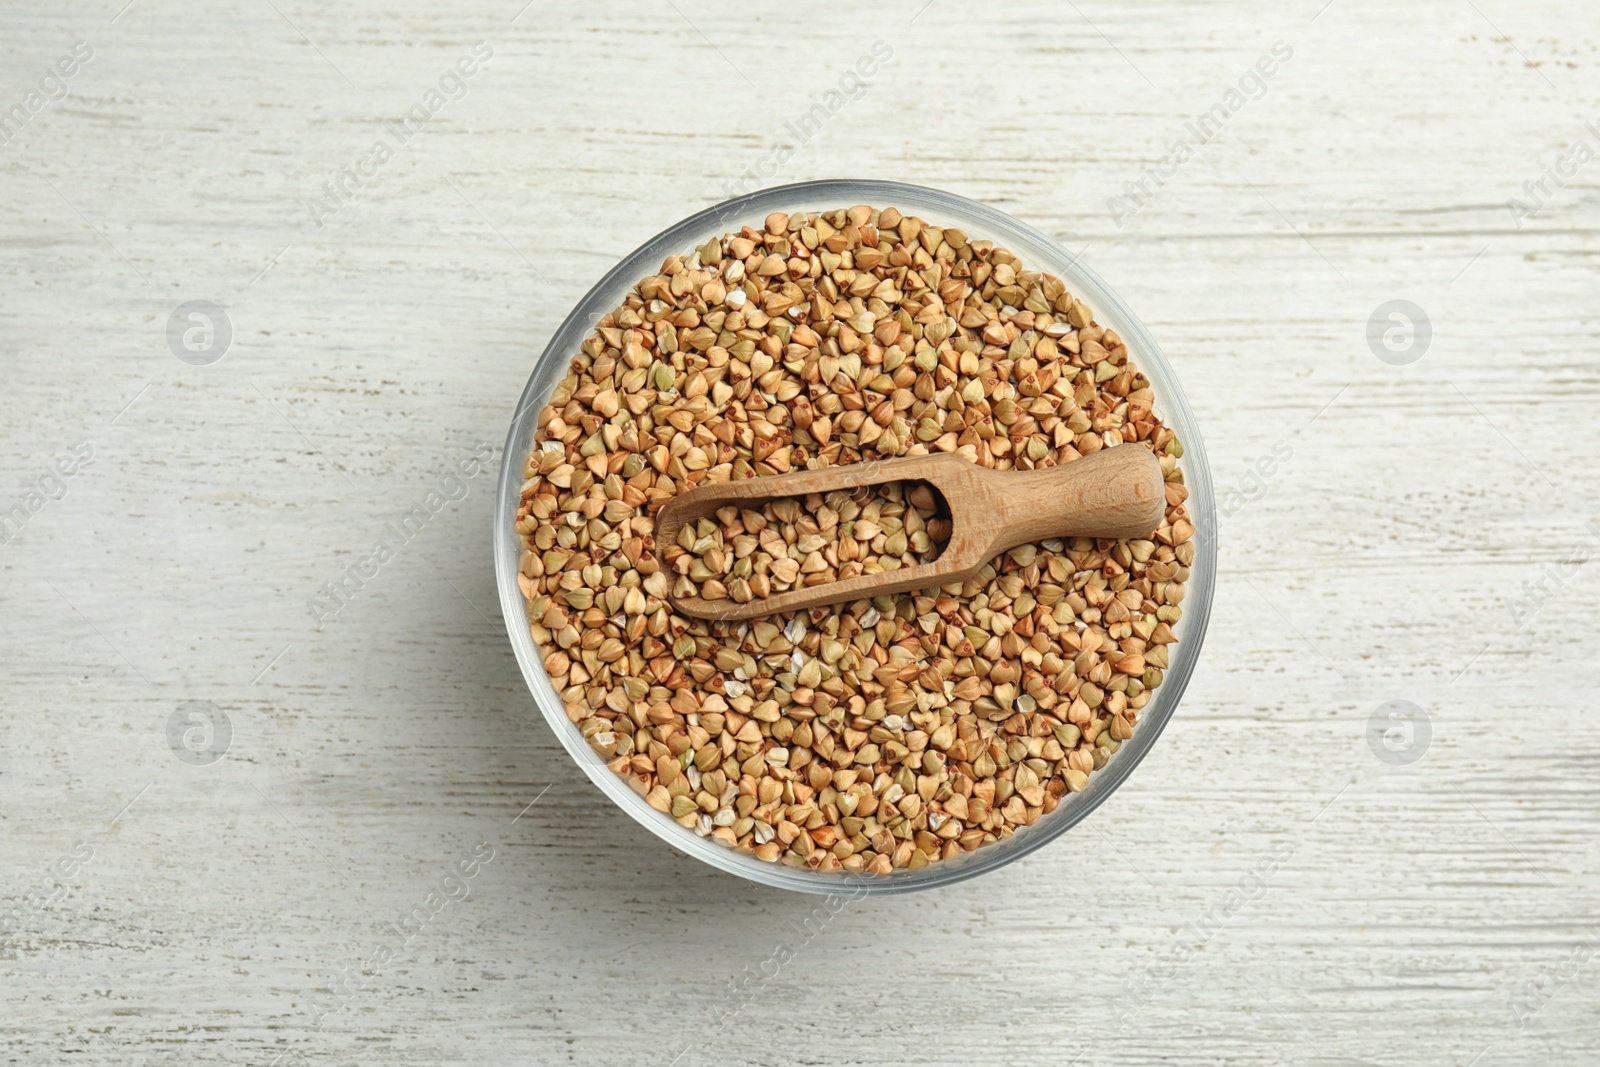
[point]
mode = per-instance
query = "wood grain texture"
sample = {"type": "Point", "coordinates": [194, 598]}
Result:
{"type": "Point", "coordinates": [1264, 889]}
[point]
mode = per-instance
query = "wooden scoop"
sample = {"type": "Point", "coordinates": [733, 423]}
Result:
{"type": "Point", "coordinates": [1116, 492]}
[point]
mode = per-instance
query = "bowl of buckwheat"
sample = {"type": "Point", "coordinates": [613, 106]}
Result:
{"type": "Point", "coordinates": [889, 744]}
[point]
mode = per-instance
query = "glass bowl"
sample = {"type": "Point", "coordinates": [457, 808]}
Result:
{"type": "Point", "coordinates": [1038, 252]}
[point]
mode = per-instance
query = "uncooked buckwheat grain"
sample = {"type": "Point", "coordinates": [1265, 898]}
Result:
{"type": "Point", "coordinates": [886, 733]}
{"type": "Point", "coordinates": [796, 542]}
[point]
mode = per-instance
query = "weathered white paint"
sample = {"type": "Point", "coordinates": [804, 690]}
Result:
{"type": "Point", "coordinates": [1404, 912]}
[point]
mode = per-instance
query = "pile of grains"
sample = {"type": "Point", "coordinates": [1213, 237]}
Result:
{"type": "Point", "coordinates": [881, 734]}
{"type": "Point", "coordinates": [795, 542]}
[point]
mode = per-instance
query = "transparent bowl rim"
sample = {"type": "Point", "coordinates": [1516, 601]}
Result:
{"type": "Point", "coordinates": [1039, 252]}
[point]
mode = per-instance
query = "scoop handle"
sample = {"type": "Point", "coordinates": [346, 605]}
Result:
{"type": "Point", "coordinates": [1116, 492]}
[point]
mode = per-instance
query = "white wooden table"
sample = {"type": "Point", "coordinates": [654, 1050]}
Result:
{"type": "Point", "coordinates": [1274, 885]}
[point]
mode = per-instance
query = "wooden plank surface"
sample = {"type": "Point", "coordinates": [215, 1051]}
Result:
{"type": "Point", "coordinates": [1264, 889]}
